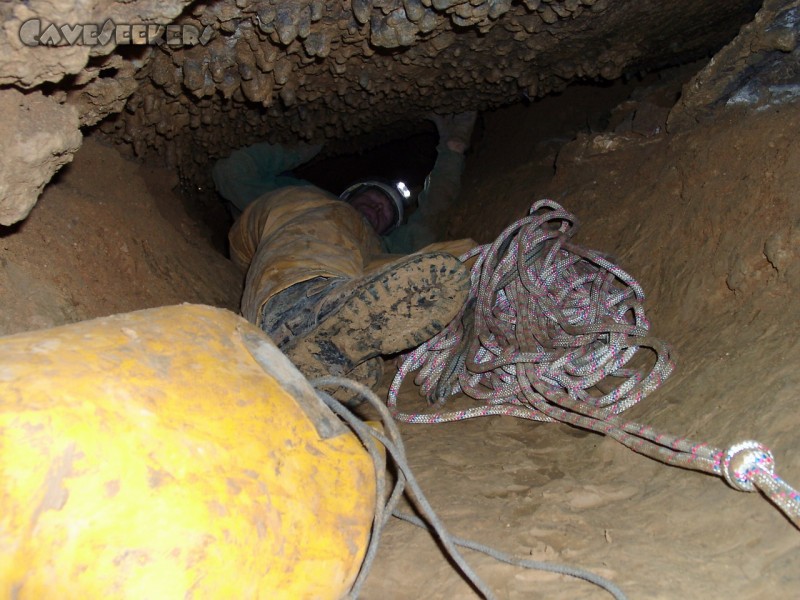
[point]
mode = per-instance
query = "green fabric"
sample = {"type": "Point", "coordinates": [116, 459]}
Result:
{"type": "Point", "coordinates": [252, 171]}
{"type": "Point", "coordinates": [255, 170]}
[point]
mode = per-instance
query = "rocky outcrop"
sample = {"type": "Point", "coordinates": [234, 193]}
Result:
{"type": "Point", "coordinates": [317, 69]}
{"type": "Point", "coordinates": [759, 68]}
{"type": "Point", "coordinates": [54, 83]}
{"type": "Point", "coordinates": [41, 136]}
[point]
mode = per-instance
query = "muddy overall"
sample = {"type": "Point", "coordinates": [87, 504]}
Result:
{"type": "Point", "coordinates": [319, 283]}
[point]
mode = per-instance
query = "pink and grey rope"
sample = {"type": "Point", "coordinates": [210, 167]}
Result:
{"type": "Point", "coordinates": [547, 333]}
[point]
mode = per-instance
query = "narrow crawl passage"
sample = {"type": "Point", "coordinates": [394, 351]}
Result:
{"type": "Point", "coordinates": [706, 220]}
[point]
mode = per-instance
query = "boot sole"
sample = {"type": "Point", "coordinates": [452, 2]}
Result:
{"type": "Point", "coordinates": [396, 308]}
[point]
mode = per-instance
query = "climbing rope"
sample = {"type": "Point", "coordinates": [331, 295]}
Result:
{"type": "Point", "coordinates": [549, 333]}
{"type": "Point", "coordinates": [387, 507]}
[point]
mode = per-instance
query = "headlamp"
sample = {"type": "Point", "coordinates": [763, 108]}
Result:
{"type": "Point", "coordinates": [403, 189]}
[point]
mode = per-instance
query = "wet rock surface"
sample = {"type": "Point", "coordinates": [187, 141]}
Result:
{"type": "Point", "coordinates": [324, 71]}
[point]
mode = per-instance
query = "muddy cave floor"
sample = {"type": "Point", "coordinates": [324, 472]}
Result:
{"type": "Point", "coordinates": [707, 220]}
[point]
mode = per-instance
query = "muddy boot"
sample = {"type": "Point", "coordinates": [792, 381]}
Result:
{"type": "Point", "coordinates": [393, 309]}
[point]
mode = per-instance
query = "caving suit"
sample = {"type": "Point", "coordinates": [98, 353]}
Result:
{"type": "Point", "coordinates": [292, 231]}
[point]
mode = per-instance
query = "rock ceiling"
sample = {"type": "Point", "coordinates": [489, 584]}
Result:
{"type": "Point", "coordinates": [306, 69]}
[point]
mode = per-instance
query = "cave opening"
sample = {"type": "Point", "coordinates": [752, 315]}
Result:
{"type": "Point", "coordinates": [668, 130]}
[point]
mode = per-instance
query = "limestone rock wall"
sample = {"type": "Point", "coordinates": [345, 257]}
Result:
{"type": "Point", "coordinates": [317, 70]}
{"type": "Point", "coordinates": [48, 92]}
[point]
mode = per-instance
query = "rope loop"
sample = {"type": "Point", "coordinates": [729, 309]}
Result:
{"type": "Point", "coordinates": [743, 461]}
{"type": "Point", "coordinates": [543, 307]}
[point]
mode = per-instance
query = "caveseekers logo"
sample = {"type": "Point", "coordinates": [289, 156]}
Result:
{"type": "Point", "coordinates": [36, 32]}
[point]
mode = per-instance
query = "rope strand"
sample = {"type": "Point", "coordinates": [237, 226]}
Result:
{"type": "Point", "coordinates": [393, 443]}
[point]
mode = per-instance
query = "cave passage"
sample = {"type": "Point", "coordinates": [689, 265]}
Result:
{"type": "Point", "coordinates": [668, 129]}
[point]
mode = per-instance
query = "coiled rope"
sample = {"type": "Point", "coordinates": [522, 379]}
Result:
{"type": "Point", "coordinates": [547, 334]}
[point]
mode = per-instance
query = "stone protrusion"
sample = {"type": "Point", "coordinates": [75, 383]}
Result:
{"type": "Point", "coordinates": [414, 10]}
{"type": "Point", "coordinates": [45, 135]}
{"type": "Point", "coordinates": [318, 43]}
{"type": "Point", "coordinates": [361, 10]}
